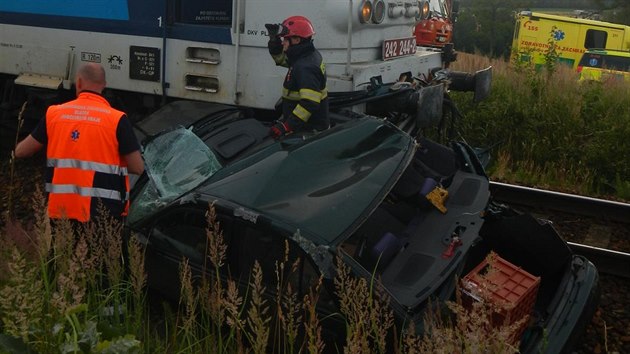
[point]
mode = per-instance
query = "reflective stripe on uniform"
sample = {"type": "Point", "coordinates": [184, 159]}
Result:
{"type": "Point", "coordinates": [290, 95]}
{"type": "Point", "coordinates": [308, 94]}
{"type": "Point", "coordinates": [311, 95]}
{"type": "Point", "coordinates": [84, 191]}
{"type": "Point", "coordinates": [301, 113]}
{"type": "Point", "coordinates": [87, 165]}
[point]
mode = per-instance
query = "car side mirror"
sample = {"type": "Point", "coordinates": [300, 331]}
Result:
{"type": "Point", "coordinates": [479, 82]}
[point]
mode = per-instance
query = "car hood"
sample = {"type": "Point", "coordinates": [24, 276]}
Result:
{"type": "Point", "coordinates": [324, 186]}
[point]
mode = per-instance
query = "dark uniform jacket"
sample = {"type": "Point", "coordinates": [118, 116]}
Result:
{"type": "Point", "coordinates": [304, 95]}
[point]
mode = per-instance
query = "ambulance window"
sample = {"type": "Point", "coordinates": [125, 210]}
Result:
{"type": "Point", "coordinates": [591, 60]}
{"type": "Point", "coordinates": [595, 39]}
{"type": "Point", "coordinates": [214, 12]}
{"type": "Point", "coordinates": [616, 63]}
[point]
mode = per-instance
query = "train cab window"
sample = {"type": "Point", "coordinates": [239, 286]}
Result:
{"type": "Point", "coordinates": [595, 39]}
{"type": "Point", "coordinates": [214, 12]}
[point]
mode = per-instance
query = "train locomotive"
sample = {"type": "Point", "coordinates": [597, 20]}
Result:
{"type": "Point", "coordinates": [212, 51]}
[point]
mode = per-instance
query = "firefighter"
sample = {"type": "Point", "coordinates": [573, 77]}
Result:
{"type": "Point", "coordinates": [304, 94]}
{"type": "Point", "coordinates": [90, 148]}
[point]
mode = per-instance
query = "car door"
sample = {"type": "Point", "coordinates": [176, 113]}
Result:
{"type": "Point", "coordinates": [251, 243]}
{"type": "Point", "coordinates": [181, 232]}
{"type": "Point", "coordinates": [178, 233]}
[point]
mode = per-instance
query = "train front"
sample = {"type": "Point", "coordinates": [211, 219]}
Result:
{"type": "Point", "coordinates": [358, 39]}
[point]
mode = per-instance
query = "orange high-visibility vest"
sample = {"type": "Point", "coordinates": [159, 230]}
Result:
{"type": "Point", "coordinates": [82, 153]}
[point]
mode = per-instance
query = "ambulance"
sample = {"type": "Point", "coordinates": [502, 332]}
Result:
{"type": "Point", "coordinates": [534, 32]}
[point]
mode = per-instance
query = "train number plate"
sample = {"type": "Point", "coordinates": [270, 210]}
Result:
{"type": "Point", "coordinates": [394, 48]}
{"type": "Point", "coordinates": [93, 57]}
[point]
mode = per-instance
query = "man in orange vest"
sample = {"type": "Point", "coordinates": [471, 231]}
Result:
{"type": "Point", "coordinates": [90, 149]}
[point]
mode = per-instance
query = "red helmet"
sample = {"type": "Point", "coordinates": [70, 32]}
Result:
{"type": "Point", "coordinates": [297, 26]}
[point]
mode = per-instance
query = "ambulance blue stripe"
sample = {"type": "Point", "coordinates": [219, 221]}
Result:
{"type": "Point", "coordinates": [103, 9]}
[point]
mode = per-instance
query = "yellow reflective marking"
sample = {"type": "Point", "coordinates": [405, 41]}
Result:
{"type": "Point", "coordinates": [311, 95]}
{"type": "Point", "coordinates": [301, 113]}
{"type": "Point", "coordinates": [290, 95]}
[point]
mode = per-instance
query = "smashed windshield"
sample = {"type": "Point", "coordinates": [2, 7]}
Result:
{"type": "Point", "coordinates": [176, 162]}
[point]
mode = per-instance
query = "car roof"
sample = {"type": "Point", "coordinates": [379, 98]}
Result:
{"type": "Point", "coordinates": [324, 186]}
{"type": "Point", "coordinates": [176, 113]}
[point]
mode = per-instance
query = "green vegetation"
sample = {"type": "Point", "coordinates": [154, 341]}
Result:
{"type": "Point", "coordinates": [548, 129]}
{"type": "Point", "coordinates": [616, 11]}
{"type": "Point", "coordinates": [55, 296]}
{"type": "Point", "coordinates": [67, 294]}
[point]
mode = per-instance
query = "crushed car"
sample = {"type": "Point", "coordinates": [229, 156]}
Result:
{"type": "Point", "coordinates": [413, 213]}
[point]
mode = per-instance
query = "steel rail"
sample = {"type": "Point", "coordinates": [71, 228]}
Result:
{"type": "Point", "coordinates": [569, 203]}
{"type": "Point", "coordinates": [607, 261]}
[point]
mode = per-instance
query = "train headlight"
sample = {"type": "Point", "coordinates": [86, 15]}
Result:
{"type": "Point", "coordinates": [366, 11]}
{"type": "Point", "coordinates": [379, 11]}
{"type": "Point", "coordinates": [425, 10]}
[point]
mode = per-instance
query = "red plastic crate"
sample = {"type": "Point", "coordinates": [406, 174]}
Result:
{"type": "Point", "coordinates": [511, 288]}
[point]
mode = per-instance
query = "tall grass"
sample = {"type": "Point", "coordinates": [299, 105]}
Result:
{"type": "Point", "coordinates": [63, 292]}
{"type": "Point", "coordinates": [549, 129]}
{"type": "Point", "coordinates": [57, 295]}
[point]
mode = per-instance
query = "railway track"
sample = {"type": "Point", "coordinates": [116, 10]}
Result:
{"type": "Point", "coordinates": [563, 202]}
{"type": "Point", "coordinates": [599, 230]}
{"type": "Point", "coordinates": [610, 256]}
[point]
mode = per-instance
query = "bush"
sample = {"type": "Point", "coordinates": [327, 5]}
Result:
{"type": "Point", "coordinates": [551, 129]}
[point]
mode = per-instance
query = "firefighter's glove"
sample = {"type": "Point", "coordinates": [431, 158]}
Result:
{"type": "Point", "coordinates": [275, 43]}
{"type": "Point", "coordinates": [273, 29]}
{"type": "Point", "coordinates": [280, 129]}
